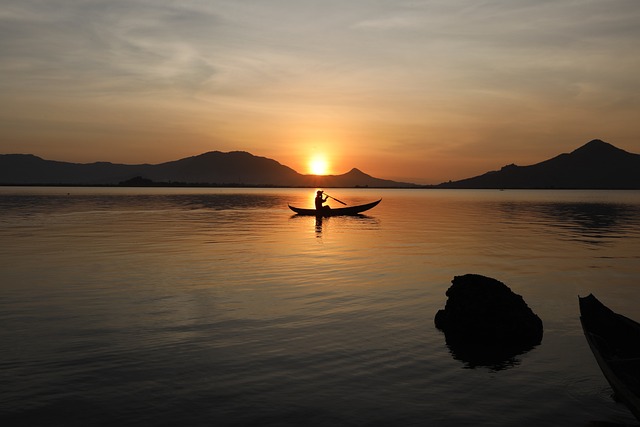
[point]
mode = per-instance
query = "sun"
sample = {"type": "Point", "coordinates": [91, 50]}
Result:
{"type": "Point", "coordinates": [318, 165]}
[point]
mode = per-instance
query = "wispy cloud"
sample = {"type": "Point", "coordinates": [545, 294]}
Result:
{"type": "Point", "coordinates": [107, 45]}
{"type": "Point", "coordinates": [394, 22]}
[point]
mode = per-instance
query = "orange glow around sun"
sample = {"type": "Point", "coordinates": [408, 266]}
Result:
{"type": "Point", "coordinates": [318, 165]}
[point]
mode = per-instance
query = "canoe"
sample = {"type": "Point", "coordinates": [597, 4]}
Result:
{"type": "Point", "coordinates": [349, 210]}
{"type": "Point", "coordinates": [615, 343]}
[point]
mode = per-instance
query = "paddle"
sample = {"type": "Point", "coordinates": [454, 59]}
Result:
{"type": "Point", "coordinates": [339, 201]}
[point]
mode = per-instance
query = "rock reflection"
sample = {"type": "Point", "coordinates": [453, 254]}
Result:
{"type": "Point", "coordinates": [493, 357]}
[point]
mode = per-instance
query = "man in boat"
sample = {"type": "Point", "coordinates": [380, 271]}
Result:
{"type": "Point", "coordinates": [320, 200]}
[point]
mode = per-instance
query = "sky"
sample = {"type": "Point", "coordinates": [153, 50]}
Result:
{"type": "Point", "coordinates": [419, 90]}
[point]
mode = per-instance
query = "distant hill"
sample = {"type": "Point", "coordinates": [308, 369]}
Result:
{"type": "Point", "coordinates": [215, 167]}
{"type": "Point", "coordinates": [30, 169]}
{"type": "Point", "coordinates": [595, 165]}
{"type": "Point", "coordinates": [236, 168]}
{"type": "Point", "coordinates": [353, 178]}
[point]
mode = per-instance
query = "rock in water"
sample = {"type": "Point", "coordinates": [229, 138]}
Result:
{"type": "Point", "coordinates": [483, 314]}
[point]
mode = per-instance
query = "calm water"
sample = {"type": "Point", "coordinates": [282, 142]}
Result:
{"type": "Point", "coordinates": [218, 307]}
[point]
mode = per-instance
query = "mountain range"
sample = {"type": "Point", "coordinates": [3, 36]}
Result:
{"type": "Point", "coordinates": [595, 165]}
{"type": "Point", "coordinates": [236, 168]}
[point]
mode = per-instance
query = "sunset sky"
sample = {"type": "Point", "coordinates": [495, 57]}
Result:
{"type": "Point", "coordinates": [425, 91]}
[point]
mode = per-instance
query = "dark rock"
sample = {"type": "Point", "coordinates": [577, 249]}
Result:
{"type": "Point", "coordinates": [485, 323]}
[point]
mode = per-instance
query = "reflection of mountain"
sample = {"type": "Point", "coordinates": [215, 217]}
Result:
{"type": "Point", "coordinates": [586, 222]}
{"type": "Point", "coordinates": [595, 165]}
{"type": "Point", "coordinates": [214, 168]}
{"type": "Point", "coordinates": [596, 219]}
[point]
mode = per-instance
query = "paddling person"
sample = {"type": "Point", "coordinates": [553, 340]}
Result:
{"type": "Point", "coordinates": [320, 200]}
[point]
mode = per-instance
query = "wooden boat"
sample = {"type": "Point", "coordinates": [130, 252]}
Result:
{"type": "Point", "coordinates": [615, 342]}
{"type": "Point", "coordinates": [349, 210]}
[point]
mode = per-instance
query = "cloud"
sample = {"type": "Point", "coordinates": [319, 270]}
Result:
{"type": "Point", "coordinates": [106, 45]}
{"type": "Point", "coordinates": [452, 73]}
{"type": "Point", "coordinates": [389, 23]}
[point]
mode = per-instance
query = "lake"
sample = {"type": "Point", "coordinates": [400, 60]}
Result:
{"type": "Point", "coordinates": [199, 307]}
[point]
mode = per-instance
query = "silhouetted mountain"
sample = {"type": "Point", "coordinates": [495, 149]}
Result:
{"type": "Point", "coordinates": [215, 167]}
{"type": "Point", "coordinates": [353, 178]}
{"type": "Point", "coordinates": [29, 169]}
{"type": "Point", "coordinates": [595, 165]}
{"type": "Point", "coordinates": [212, 168]}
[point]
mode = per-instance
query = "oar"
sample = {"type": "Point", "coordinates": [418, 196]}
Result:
{"type": "Point", "coordinates": [339, 201]}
